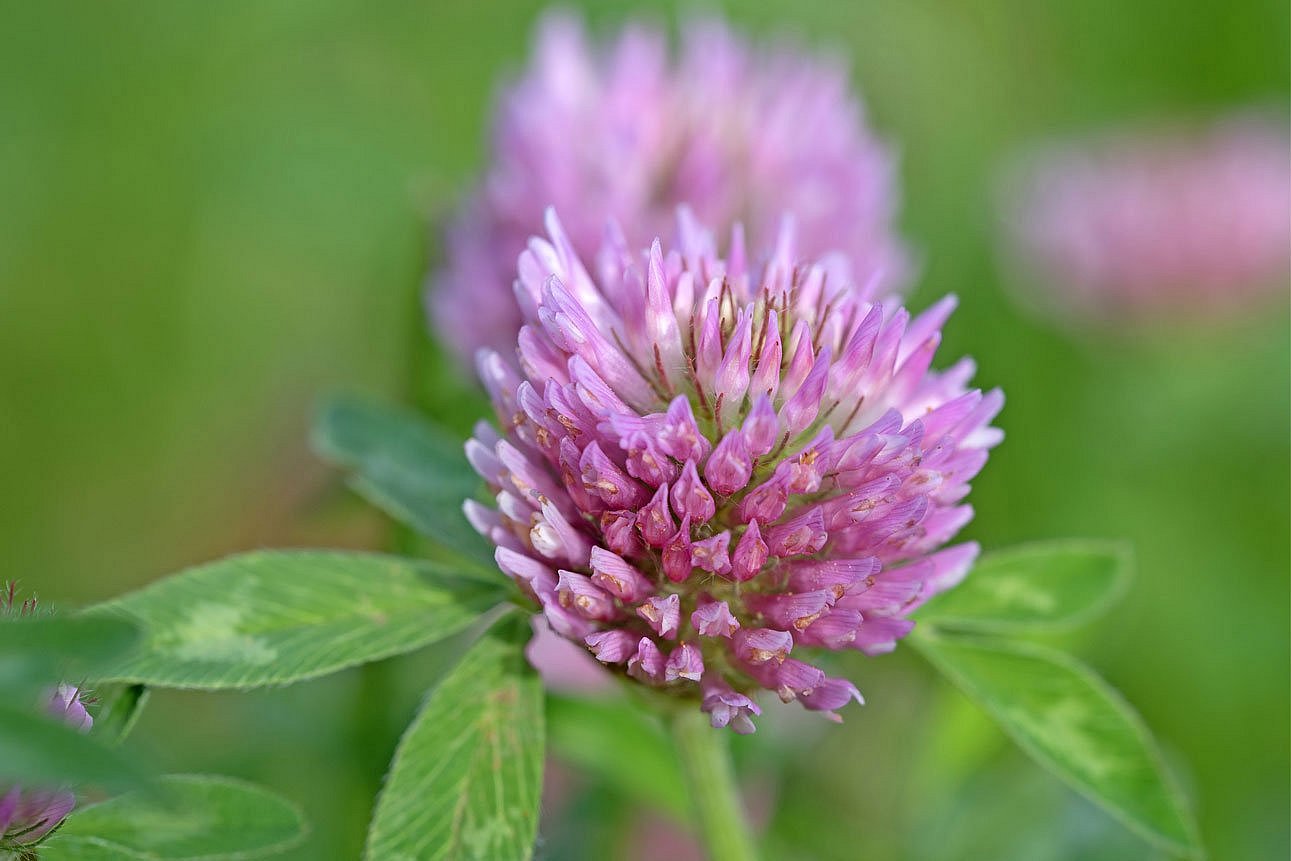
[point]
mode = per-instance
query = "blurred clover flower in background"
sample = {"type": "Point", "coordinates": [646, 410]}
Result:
{"type": "Point", "coordinates": [736, 131]}
{"type": "Point", "coordinates": [28, 815]}
{"type": "Point", "coordinates": [1169, 222]}
{"type": "Point", "coordinates": [708, 463]}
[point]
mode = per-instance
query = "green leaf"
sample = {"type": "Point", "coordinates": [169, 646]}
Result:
{"type": "Point", "coordinates": [467, 776]}
{"type": "Point", "coordinates": [1074, 724]}
{"type": "Point", "coordinates": [59, 848]}
{"type": "Point", "coordinates": [276, 617]}
{"type": "Point", "coordinates": [407, 467]}
{"type": "Point", "coordinates": [119, 709]}
{"type": "Point", "coordinates": [38, 651]}
{"type": "Point", "coordinates": [40, 750]}
{"type": "Point", "coordinates": [198, 817]}
{"type": "Point", "coordinates": [1042, 586]}
{"type": "Point", "coordinates": [623, 745]}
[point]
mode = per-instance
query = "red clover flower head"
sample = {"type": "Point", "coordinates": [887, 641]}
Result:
{"type": "Point", "coordinates": [709, 467]}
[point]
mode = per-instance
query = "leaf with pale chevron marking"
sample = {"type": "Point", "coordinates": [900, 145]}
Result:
{"type": "Point", "coordinates": [1075, 725]}
{"type": "Point", "coordinates": [276, 617]}
{"type": "Point", "coordinates": [467, 776]}
{"type": "Point", "coordinates": [1047, 585]}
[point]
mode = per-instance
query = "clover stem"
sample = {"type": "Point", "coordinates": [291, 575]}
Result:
{"type": "Point", "coordinates": [706, 762]}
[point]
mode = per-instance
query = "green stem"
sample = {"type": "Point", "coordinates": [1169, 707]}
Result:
{"type": "Point", "coordinates": [706, 761]}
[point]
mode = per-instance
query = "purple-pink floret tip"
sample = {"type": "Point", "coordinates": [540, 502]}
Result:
{"type": "Point", "coordinates": [27, 815]}
{"type": "Point", "coordinates": [735, 130]}
{"type": "Point", "coordinates": [710, 466]}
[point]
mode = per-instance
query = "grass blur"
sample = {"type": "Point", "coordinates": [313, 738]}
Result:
{"type": "Point", "coordinates": [215, 213]}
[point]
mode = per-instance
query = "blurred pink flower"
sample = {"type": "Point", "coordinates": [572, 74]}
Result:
{"type": "Point", "coordinates": [707, 465]}
{"type": "Point", "coordinates": [622, 131]}
{"type": "Point", "coordinates": [1164, 223]}
{"type": "Point", "coordinates": [28, 815]}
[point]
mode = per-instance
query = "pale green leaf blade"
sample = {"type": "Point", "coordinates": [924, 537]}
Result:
{"type": "Point", "coordinates": [1043, 586]}
{"type": "Point", "coordinates": [197, 817]}
{"type": "Point", "coordinates": [1075, 725]}
{"type": "Point", "coordinates": [466, 779]}
{"type": "Point", "coordinates": [38, 750]}
{"type": "Point", "coordinates": [276, 617]}
{"type": "Point", "coordinates": [405, 466]}
{"type": "Point", "coordinates": [60, 848]}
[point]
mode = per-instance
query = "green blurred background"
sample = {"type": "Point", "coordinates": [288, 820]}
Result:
{"type": "Point", "coordinates": [213, 213]}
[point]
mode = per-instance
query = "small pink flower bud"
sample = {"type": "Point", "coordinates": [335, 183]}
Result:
{"type": "Point", "coordinates": [879, 635]}
{"type": "Point", "coordinates": [837, 575]}
{"type": "Point", "coordinates": [714, 619]}
{"type": "Point", "coordinates": [801, 410]}
{"type": "Point", "coordinates": [760, 645]}
{"type": "Point", "coordinates": [790, 679]}
{"type": "Point", "coordinates": [655, 520]}
{"type": "Point", "coordinates": [679, 436]}
{"type": "Point", "coordinates": [602, 477]}
{"type": "Point", "coordinates": [662, 614]}
{"type": "Point", "coordinates": [766, 377]}
{"type": "Point", "coordinates": [733, 373]}
{"type": "Point", "coordinates": [677, 563]}
{"type": "Point", "coordinates": [730, 465]}
{"type": "Point", "coordinates": [613, 646]}
{"type": "Point", "coordinates": [580, 594]}
{"type": "Point", "coordinates": [619, 529]}
{"type": "Point", "coordinates": [685, 662]}
{"type": "Point", "coordinates": [800, 536]}
{"type": "Point", "coordinates": [532, 575]}
{"type": "Point", "coordinates": [835, 629]}
{"type": "Point", "coordinates": [555, 538]}
{"type": "Point", "coordinates": [712, 554]}
{"type": "Point", "coordinates": [761, 427]}
{"type": "Point", "coordinates": [766, 502]}
{"type": "Point", "coordinates": [690, 498]}
{"type": "Point", "coordinates": [727, 707]}
{"type": "Point", "coordinates": [647, 664]}
{"type": "Point", "coordinates": [750, 554]}
{"type": "Point", "coordinates": [614, 575]}
{"type": "Point", "coordinates": [832, 694]}
{"type": "Point", "coordinates": [792, 611]}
